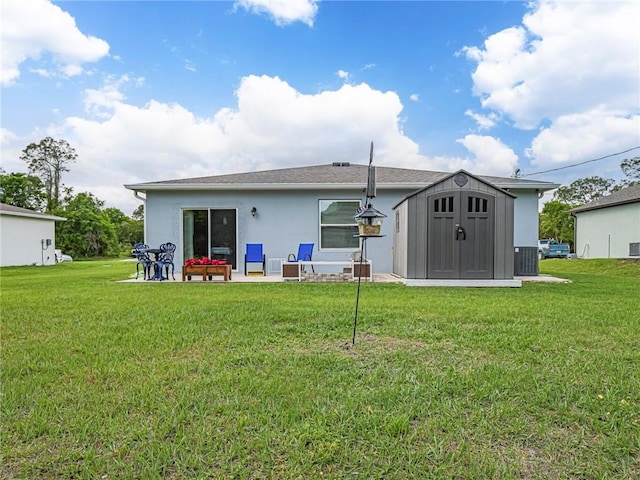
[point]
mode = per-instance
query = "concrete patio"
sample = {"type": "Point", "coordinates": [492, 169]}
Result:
{"type": "Point", "coordinates": [239, 277]}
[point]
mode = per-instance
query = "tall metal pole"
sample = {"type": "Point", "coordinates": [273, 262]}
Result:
{"type": "Point", "coordinates": [355, 319]}
{"type": "Point", "coordinates": [370, 193]}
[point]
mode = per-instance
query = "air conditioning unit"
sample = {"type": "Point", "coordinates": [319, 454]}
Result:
{"type": "Point", "coordinates": [525, 261]}
{"type": "Point", "coordinates": [634, 249]}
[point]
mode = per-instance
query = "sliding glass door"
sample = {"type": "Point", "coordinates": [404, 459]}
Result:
{"type": "Point", "coordinates": [223, 235]}
{"type": "Point", "coordinates": [210, 233]}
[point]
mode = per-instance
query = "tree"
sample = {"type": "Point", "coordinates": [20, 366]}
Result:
{"type": "Point", "coordinates": [584, 190]}
{"type": "Point", "coordinates": [138, 213]}
{"type": "Point", "coordinates": [20, 190]}
{"type": "Point", "coordinates": [88, 230]}
{"type": "Point", "coordinates": [115, 215]}
{"type": "Point", "coordinates": [631, 168]}
{"type": "Point", "coordinates": [129, 231]}
{"type": "Point", "coordinates": [556, 222]}
{"type": "Point", "coordinates": [48, 159]}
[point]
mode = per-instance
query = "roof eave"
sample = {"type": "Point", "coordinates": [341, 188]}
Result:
{"type": "Point", "coordinates": [36, 215]}
{"type": "Point", "coordinates": [542, 186]}
{"type": "Point", "coordinates": [586, 208]}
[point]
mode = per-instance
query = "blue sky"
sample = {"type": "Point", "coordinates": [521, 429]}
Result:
{"type": "Point", "coordinates": [156, 90]}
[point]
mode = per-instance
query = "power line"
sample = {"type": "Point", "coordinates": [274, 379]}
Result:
{"type": "Point", "coordinates": [580, 163]}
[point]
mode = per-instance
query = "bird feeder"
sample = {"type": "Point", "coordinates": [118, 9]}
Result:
{"type": "Point", "coordinates": [369, 222]}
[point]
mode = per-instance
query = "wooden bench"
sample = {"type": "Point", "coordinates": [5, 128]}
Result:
{"type": "Point", "coordinates": [207, 271]}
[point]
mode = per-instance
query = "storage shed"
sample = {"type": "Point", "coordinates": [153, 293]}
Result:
{"type": "Point", "coordinates": [26, 237]}
{"type": "Point", "coordinates": [460, 227]}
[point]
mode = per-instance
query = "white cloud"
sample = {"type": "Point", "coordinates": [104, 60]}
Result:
{"type": "Point", "coordinates": [283, 12]}
{"type": "Point", "coordinates": [567, 57]}
{"type": "Point", "coordinates": [484, 121]}
{"type": "Point", "coordinates": [414, 97]}
{"type": "Point", "coordinates": [273, 125]}
{"type": "Point", "coordinates": [343, 75]}
{"type": "Point", "coordinates": [41, 71]}
{"type": "Point", "coordinates": [492, 157]}
{"type": "Point", "coordinates": [573, 67]}
{"type": "Point", "coordinates": [7, 137]}
{"type": "Point", "coordinates": [580, 137]}
{"type": "Point", "coordinates": [101, 102]}
{"type": "Point", "coordinates": [31, 28]}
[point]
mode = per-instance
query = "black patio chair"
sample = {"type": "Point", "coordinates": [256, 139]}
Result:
{"type": "Point", "coordinates": [144, 260]}
{"type": "Point", "coordinates": [165, 259]}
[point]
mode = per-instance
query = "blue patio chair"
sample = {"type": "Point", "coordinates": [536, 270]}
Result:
{"type": "Point", "coordinates": [305, 253]}
{"type": "Point", "coordinates": [165, 260]}
{"type": "Point", "coordinates": [144, 260]}
{"type": "Point", "coordinates": [254, 254]}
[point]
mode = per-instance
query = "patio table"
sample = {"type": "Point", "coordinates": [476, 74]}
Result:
{"type": "Point", "coordinates": [157, 269]}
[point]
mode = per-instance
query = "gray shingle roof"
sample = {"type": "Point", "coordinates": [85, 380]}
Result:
{"type": "Point", "coordinates": [25, 212]}
{"type": "Point", "coordinates": [351, 173]}
{"type": "Point", "coordinates": [12, 208]}
{"type": "Point", "coordinates": [626, 195]}
{"type": "Point", "coordinates": [330, 174]}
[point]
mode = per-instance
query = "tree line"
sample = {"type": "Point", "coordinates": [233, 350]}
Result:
{"type": "Point", "coordinates": [555, 219]}
{"type": "Point", "coordinates": [90, 230]}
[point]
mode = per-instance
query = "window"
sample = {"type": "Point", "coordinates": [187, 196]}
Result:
{"type": "Point", "coordinates": [443, 204]}
{"type": "Point", "coordinates": [477, 205]}
{"type": "Point", "coordinates": [338, 227]}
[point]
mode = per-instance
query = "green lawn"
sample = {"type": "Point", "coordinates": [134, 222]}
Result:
{"type": "Point", "coordinates": [114, 380]}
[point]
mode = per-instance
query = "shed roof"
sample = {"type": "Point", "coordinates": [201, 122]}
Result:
{"type": "Point", "coordinates": [338, 175]}
{"type": "Point", "coordinates": [6, 209]}
{"type": "Point", "coordinates": [626, 195]}
{"type": "Point", "coordinates": [483, 180]}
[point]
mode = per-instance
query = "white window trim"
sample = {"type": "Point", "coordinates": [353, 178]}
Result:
{"type": "Point", "coordinates": [320, 224]}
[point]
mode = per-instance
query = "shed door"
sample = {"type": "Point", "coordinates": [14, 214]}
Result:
{"type": "Point", "coordinates": [461, 235]}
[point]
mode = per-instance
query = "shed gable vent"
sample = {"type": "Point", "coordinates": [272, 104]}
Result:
{"type": "Point", "coordinates": [634, 249]}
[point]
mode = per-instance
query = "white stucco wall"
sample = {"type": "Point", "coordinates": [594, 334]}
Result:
{"type": "Point", "coordinates": [286, 218]}
{"type": "Point", "coordinates": [607, 232]}
{"type": "Point", "coordinates": [21, 241]}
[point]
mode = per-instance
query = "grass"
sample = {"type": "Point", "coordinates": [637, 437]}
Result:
{"type": "Point", "coordinates": [102, 379]}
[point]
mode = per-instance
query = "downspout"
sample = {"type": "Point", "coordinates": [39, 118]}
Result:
{"type": "Point", "coordinates": [575, 235]}
{"type": "Point", "coordinates": [144, 209]}
{"type": "Point", "coordinates": [137, 195]}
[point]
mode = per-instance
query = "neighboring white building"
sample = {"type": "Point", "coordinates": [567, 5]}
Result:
{"type": "Point", "coordinates": [219, 215]}
{"type": "Point", "coordinates": [26, 237]}
{"type": "Point", "coordinates": [610, 226]}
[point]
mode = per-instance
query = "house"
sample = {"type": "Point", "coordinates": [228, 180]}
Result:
{"type": "Point", "coordinates": [460, 227]}
{"type": "Point", "coordinates": [217, 216]}
{"type": "Point", "coordinates": [609, 227]}
{"type": "Point", "coordinates": [26, 237]}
